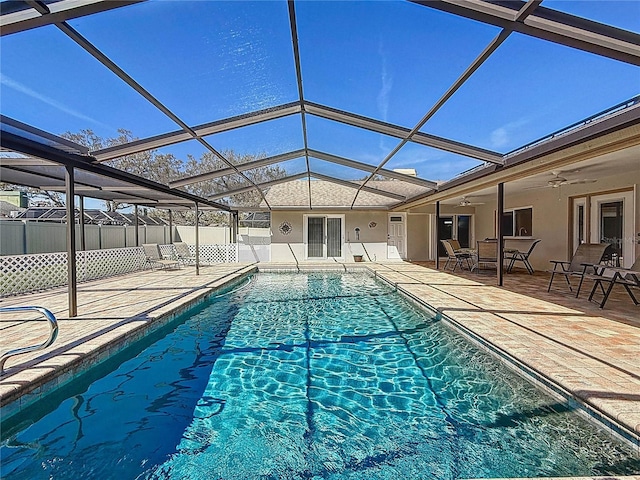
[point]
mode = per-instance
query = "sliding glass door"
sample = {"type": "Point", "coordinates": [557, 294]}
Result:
{"type": "Point", "coordinates": [315, 237]}
{"type": "Point", "coordinates": [324, 236]}
{"type": "Point", "coordinates": [454, 226]}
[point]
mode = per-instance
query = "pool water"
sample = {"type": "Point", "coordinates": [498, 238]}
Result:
{"type": "Point", "coordinates": [308, 376]}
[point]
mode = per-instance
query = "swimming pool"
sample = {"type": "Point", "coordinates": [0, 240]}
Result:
{"type": "Point", "coordinates": [314, 375]}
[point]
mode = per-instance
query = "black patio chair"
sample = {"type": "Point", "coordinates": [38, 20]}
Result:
{"type": "Point", "coordinates": [586, 256]}
{"type": "Point", "coordinates": [627, 277]}
{"type": "Point", "coordinates": [514, 256]}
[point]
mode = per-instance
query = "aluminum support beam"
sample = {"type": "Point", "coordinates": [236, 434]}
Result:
{"type": "Point", "coordinates": [261, 185]}
{"type": "Point", "coordinates": [120, 73]}
{"type": "Point", "coordinates": [72, 283]}
{"type": "Point", "coordinates": [550, 25]}
{"type": "Point", "coordinates": [57, 12]}
{"type": "Point", "coordinates": [11, 141]}
{"type": "Point", "coordinates": [437, 234]}
{"type": "Point", "coordinates": [357, 186]}
{"type": "Point", "coordinates": [500, 221]}
{"type": "Point", "coordinates": [401, 132]}
{"type": "Point", "coordinates": [370, 168]}
{"type": "Point", "coordinates": [178, 136]}
{"type": "Point", "coordinates": [263, 162]}
{"type": "Point", "coordinates": [83, 240]}
{"type": "Point", "coordinates": [136, 223]}
{"type": "Point", "coordinates": [296, 58]}
{"type": "Point", "coordinates": [197, 224]}
{"type": "Point", "coordinates": [471, 69]}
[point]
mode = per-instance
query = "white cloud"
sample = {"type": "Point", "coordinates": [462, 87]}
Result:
{"type": "Point", "coordinates": [386, 81]}
{"type": "Point", "coordinates": [499, 137]}
{"type": "Point", "coordinates": [10, 83]}
{"type": "Point", "coordinates": [503, 136]}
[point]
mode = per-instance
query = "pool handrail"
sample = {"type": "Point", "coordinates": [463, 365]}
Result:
{"type": "Point", "coordinates": [53, 333]}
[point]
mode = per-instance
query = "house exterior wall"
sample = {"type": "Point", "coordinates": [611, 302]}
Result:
{"type": "Point", "coordinates": [551, 214]}
{"type": "Point", "coordinates": [372, 243]}
{"type": "Point", "coordinates": [418, 236]}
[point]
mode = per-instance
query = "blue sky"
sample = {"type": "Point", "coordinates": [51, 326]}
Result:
{"type": "Point", "coordinates": [208, 60]}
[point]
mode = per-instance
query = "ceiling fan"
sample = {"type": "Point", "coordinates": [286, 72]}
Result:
{"type": "Point", "coordinates": [465, 202]}
{"type": "Point", "coordinates": [557, 180]}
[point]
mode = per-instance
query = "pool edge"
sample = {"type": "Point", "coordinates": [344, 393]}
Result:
{"type": "Point", "coordinates": [30, 393]}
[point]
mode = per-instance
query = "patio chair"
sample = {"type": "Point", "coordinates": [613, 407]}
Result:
{"type": "Point", "coordinates": [586, 256]}
{"type": "Point", "coordinates": [487, 252]}
{"type": "Point", "coordinates": [457, 258]}
{"type": "Point", "coordinates": [154, 257]}
{"type": "Point", "coordinates": [627, 277]}
{"type": "Point", "coordinates": [514, 256]}
{"type": "Point", "coordinates": [183, 253]}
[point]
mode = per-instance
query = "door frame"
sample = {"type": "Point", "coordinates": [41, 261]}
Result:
{"type": "Point", "coordinates": [592, 225]}
{"type": "Point", "coordinates": [404, 233]}
{"type": "Point", "coordinates": [433, 238]}
{"type": "Point", "coordinates": [305, 238]}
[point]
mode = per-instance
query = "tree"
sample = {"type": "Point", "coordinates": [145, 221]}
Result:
{"type": "Point", "coordinates": [150, 164]}
{"type": "Point", "coordinates": [163, 168]}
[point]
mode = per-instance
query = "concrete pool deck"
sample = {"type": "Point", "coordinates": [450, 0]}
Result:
{"type": "Point", "coordinates": [582, 352]}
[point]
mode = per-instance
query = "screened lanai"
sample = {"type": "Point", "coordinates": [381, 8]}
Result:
{"type": "Point", "coordinates": [360, 94]}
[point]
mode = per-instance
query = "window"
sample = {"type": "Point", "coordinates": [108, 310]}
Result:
{"type": "Point", "coordinates": [518, 223]}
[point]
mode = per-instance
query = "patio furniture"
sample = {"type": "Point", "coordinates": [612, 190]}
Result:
{"type": "Point", "coordinates": [457, 258]}
{"type": "Point", "coordinates": [487, 252]}
{"type": "Point", "coordinates": [627, 277]}
{"type": "Point", "coordinates": [514, 255]}
{"type": "Point", "coordinates": [460, 249]}
{"type": "Point", "coordinates": [183, 253]}
{"type": "Point", "coordinates": [154, 257]}
{"type": "Point", "coordinates": [586, 256]}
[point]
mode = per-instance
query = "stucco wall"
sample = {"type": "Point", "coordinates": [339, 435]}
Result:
{"type": "Point", "coordinates": [551, 214]}
{"type": "Point", "coordinates": [372, 242]}
{"type": "Point", "coordinates": [418, 237]}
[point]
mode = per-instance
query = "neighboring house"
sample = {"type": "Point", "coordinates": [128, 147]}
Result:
{"type": "Point", "coordinates": [91, 216]}
{"type": "Point", "coordinates": [9, 209]}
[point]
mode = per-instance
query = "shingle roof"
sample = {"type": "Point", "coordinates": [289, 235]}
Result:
{"type": "Point", "coordinates": [295, 194]}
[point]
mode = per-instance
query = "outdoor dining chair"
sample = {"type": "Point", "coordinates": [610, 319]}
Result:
{"type": "Point", "coordinates": [457, 258]}
{"type": "Point", "coordinates": [627, 277]}
{"type": "Point", "coordinates": [514, 256]}
{"type": "Point", "coordinates": [487, 253]}
{"type": "Point", "coordinates": [586, 256]}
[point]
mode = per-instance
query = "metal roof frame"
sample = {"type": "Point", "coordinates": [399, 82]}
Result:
{"type": "Point", "coordinates": [547, 24]}
{"type": "Point", "coordinates": [528, 18]}
{"type": "Point", "coordinates": [10, 139]}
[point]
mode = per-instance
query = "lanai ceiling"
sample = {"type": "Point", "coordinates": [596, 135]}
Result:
{"type": "Point", "coordinates": [351, 93]}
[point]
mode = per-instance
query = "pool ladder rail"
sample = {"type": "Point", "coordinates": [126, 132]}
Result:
{"type": "Point", "coordinates": [53, 333]}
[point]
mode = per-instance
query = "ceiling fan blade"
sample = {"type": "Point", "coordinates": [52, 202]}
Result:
{"type": "Point", "coordinates": [582, 181]}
